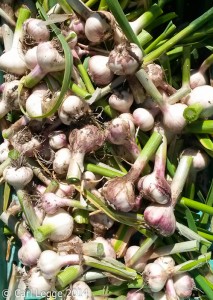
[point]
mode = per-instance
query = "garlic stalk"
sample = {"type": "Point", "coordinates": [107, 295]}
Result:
{"type": "Point", "coordinates": [154, 186]}
{"type": "Point", "coordinates": [119, 192]}
{"type": "Point", "coordinates": [12, 61]}
{"type": "Point", "coordinates": [81, 142]}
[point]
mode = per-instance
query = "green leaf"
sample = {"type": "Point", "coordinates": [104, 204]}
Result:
{"type": "Point", "coordinates": [209, 202]}
{"type": "Point", "coordinates": [202, 283]}
{"type": "Point", "coordinates": [189, 218]}
{"type": "Point", "coordinates": [6, 195]}
{"type": "Point", "coordinates": [206, 142]}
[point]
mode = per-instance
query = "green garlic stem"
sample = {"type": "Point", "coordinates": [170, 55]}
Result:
{"type": "Point", "coordinates": [146, 18]}
{"type": "Point", "coordinates": [192, 264]}
{"type": "Point", "coordinates": [43, 232]}
{"type": "Point", "coordinates": [52, 187]}
{"type": "Point", "coordinates": [182, 92]}
{"type": "Point", "coordinates": [180, 177]}
{"type": "Point", "coordinates": [121, 239]}
{"type": "Point", "coordinates": [28, 209]}
{"type": "Point", "coordinates": [90, 3]}
{"type": "Point", "coordinates": [144, 37]}
{"type": "Point", "coordinates": [192, 112]}
{"type": "Point", "coordinates": [111, 266]}
{"type": "Point", "coordinates": [200, 126]}
{"type": "Point", "coordinates": [191, 235]}
{"type": "Point", "coordinates": [83, 73]}
{"type": "Point", "coordinates": [23, 15]}
{"type": "Point", "coordinates": [197, 205]}
{"type": "Point", "coordinates": [93, 249]}
{"type": "Point", "coordinates": [102, 5]}
{"type": "Point", "coordinates": [169, 29]}
{"type": "Point", "coordinates": [80, 216]}
{"type": "Point", "coordinates": [186, 65]}
{"type": "Point", "coordinates": [193, 26]}
{"type": "Point", "coordinates": [147, 152]}
{"type": "Point", "coordinates": [175, 248]}
{"type": "Point", "coordinates": [150, 87]}
{"type": "Point", "coordinates": [68, 275]}
{"type": "Point", "coordinates": [103, 170]}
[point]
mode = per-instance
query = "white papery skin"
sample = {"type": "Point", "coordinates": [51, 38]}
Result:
{"type": "Point", "coordinates": [72, 109]}
{"type": "Point", "coordinates": [121, 101]}
{"type": "Point", "coordinates": [97, 27]}
{"type": "Point", "coordinates": [81, 291]}
{"type": "Point", "coordinates": [99, 71]}
{"type": "Point", "coordinates": [204, 96]}
{"type": "Point", "coordinates": [63, 223]}
{"type": "Point", "coordinates": [155, 276]}
{"type": "Point", "coordinates": [173, 118]}
{"type": "Point", "coordinates": [29, 252]}
{"type": "Point", "coordinates": [34, 101]}
{"type": "Point", "coordinates": [197, 78]}
{"type": "Point", "coordinates": [61, 161]}
{"type": "Point", "coordinates": [184, 285]}
{"type": "Point", "coordinates": [31, 58]}
{"type": "Point", "coordinates": [37, 284]}
{"type": "Point", "coordinates": [57, 140]}
{"type": "Point", "coordinates": [143, 119]}
{"type": "Point", "coordinates": [167, 262]}
{"type": "Point", "coordinates": [37, 29]}
{"type": "Point", "coordinates": [125, 59]}
{"type": "Point", "coordinates": [18, 177]}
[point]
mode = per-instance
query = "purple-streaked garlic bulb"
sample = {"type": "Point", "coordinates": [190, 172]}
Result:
{"type": "Point", "coordinates": [155, 277]}
{"type": "Point", "coordinates": [143, 118]}
{"type": "Point", "coordinates": [30, 251]}
{"type": "Point", "coordinates": [57, 140]}
{"type": "Point", "coordinates": [122, 132]}
{"type": "Point", "coordinates": [154, 186]}
{"type": "Point", "coordinates": [161, 218]}
{"type": "Point", "coordinates": [184, 285]}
